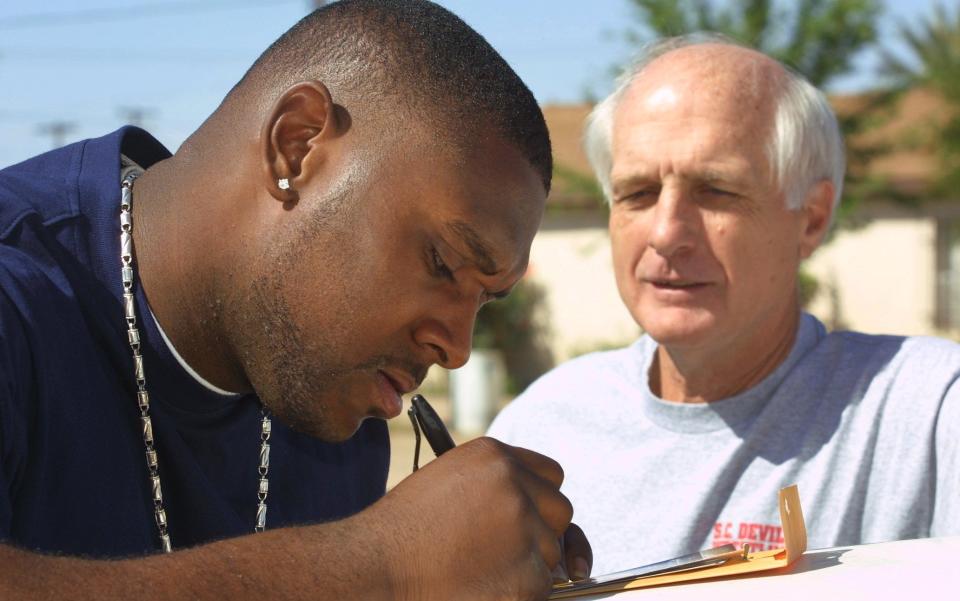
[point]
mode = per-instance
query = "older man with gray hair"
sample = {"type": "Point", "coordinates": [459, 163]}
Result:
{"type": "Point", "coordinates": [723, 169]}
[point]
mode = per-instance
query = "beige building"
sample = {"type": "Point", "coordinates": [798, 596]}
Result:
{"type": "Point", "coordinates": [570, 256]}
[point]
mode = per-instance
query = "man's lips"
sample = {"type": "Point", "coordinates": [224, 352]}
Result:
{"type": "Point", "coordinates": [675, 284]}
{"type": "Point", "coordinates": [393, 386]}
{"type": "Point", "coordinates": [401, 382]}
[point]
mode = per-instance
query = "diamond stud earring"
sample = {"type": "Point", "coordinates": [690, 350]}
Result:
{"type": "Point", "coordinates": [283, 183]}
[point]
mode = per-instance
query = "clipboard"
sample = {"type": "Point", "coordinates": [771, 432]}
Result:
{"type": "Point", "coordinates": [710, 563]}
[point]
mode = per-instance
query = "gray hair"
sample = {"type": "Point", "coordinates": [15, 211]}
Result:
{"type": "Point", "coordinates": [805, 146]}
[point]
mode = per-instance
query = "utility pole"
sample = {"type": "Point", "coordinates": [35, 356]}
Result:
{"type": "Point", "coordinates": [134, 115]}
{"type": "Point", "coordinates": [57, 130]}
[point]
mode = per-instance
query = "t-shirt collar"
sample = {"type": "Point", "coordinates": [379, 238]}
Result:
{"type": "Point", "coordinates": [723, 413]}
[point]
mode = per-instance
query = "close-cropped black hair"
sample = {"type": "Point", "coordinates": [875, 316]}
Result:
{"type": "Point", "coordinates": [412, 57]}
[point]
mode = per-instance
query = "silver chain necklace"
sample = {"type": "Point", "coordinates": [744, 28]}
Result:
{"type": "Point", "coordinates": [143, 398]}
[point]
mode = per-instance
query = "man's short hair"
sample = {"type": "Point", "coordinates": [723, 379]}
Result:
{"type": "Point", "coordinates": [409, 58]}
{"type": "Point", "coordinates": [805, 144]}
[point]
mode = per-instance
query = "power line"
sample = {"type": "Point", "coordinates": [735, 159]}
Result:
{"type": "Point", "coordinates": [135, 115]}
{"type": "Point", "coordinates": [103, 15]}
{"type": "Point", "coordinates": [155, 54]}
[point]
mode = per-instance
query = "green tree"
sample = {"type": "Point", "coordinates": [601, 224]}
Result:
{"type": "Point", "coordinates": [515, 326]}
{"type": "Point", "coordinates": [818, 38]}
{"type": "Point", "coordinates": [932, 61]}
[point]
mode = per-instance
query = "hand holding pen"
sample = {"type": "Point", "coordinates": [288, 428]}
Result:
{"type": "Point", "coordinates": [543, 477]}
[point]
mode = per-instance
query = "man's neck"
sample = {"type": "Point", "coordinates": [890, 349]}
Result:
{"type": "Point", "coordinates": [172, 250]}
{"type": "Point", "coordinates": [699, 375]}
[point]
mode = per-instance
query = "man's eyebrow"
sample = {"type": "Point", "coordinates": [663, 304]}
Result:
{"type": "Point", "coordinates": [707, 176]}
{"type": "Point", "coordinates": [479, 249]}
{"type": "Point", "coordinates": [632, 180]}
{"type": "Point", "coordinates": [712, 176]}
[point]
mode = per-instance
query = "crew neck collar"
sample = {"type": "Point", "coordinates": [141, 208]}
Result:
{"type": "Point", "coordinates": [722, 413]}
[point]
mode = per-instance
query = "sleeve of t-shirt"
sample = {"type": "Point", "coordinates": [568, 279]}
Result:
{"type": "Point", "coordinates": [946, 509]}
{"type": "Point", "coordinates": [15, 369]}
{"type": "Point", "coordinates": [516, 424]}
{"type": "Point", "coordinates": [525, 422]}
{"type": "Point", "coordinates": [502, 427]}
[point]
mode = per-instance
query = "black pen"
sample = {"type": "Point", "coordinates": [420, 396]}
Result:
{"type": "Point", "coordinates": [424, 418]}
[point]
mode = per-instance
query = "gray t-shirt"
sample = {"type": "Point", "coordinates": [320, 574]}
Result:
{"type": "Point", "coordinates": [867, 426]}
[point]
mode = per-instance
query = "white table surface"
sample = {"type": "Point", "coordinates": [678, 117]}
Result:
{"type": "Point", "coordinates": [912, 570]}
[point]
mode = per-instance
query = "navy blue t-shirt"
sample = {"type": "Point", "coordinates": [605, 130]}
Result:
{"type": "Point", "coordinates": [73, 477]}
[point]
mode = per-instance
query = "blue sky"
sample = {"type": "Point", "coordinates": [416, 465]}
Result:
{"type": "Point", "coordinates": [87, 63]}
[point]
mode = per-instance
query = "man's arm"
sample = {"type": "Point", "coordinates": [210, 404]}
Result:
{"type": "Point", "coordinates": [946, 507]}
{"type": "Point", "coordinates": [310, 562]}
{"type": "Point", "coordinates": [481, 522]}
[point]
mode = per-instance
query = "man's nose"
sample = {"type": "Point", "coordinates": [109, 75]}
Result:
{"type": "Point", "coordinates": [673, 230]}
{"type": "Point", "coordinates": [448, 337]}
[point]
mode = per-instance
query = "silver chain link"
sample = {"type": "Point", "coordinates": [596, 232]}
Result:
{"type": "Point", "coordinates": [143, 397]}
{"type": "Point", "coordinates": [264, 487]}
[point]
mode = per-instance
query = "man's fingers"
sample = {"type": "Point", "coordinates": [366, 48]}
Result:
{"type": "Point", "coordinates": [554, 508]}
{"type": "Point", "coordinates": [578, 555]}
{"type": "Point", "coordinates": [550, 549]}
{"type": "Point", "coordinates": [541, 465]}
{"type": "Point", "coordinates": [556, 511]}
{"type": "Point", "coordinates": [537, 475]}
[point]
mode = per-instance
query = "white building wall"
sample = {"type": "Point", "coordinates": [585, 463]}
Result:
{"type": "Point", "coordinates": [879, 279]}
{"type": "Point", "coordinates": [584, 309]}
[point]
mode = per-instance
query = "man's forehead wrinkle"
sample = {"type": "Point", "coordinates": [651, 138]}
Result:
{"type": "Point", "coordinates": [478, 248]}
{"type": "Point", "coordinates": [729, 171]}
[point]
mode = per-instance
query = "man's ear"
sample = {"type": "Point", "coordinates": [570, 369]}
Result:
{"type": "Point", "coordinates": [817, 215]}
{"type": "Point", "coordinates": [302, 117]}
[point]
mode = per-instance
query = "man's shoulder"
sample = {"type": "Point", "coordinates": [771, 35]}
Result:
{"type": "Point", "coordinates": [590, 369]}
{"type": "Point", "coordinates": [603, 376]}
{"type": "Point", "coordinates": [39, 316]}
{"type": "Point", "coordinates": [905, 375]}
{"type": "Point", "coordinates": [893, 351]}
{"type": "Point", "coordinates": [43, 186]}
{"type": "Point", "coordinates": [52, 186]}
{"type": "Point", "coordinates": [24, 280]}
